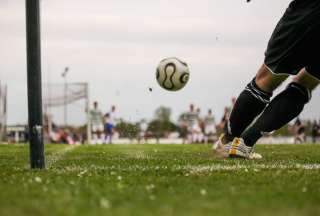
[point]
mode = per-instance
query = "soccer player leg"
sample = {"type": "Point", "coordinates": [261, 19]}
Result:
{"type": "Point", "coordinates": [111, 130]}
{"type": "Point", "coordinates": [105, 133]}
{"type": "Point", "coordinates": [94, 134]}
{"type": "Point", "coordinates": [100, 133]}
{"type": "Point", "coordinates": [190, 134]}
{"type": "Point", "coordinates": [252, 101]}
{"type": "Point", "coordinates": [283, 108]}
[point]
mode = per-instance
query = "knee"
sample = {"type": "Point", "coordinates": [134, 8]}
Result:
{"type": "Point", "coordinates": [301, 90]}
{"type": "Point", "coordinates": [257, 92]}
{"type": "Point", "coordinates": [267, 81]}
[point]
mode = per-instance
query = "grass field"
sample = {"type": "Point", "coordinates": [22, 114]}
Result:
{"type": "Point", "coordinates": [160, 180]}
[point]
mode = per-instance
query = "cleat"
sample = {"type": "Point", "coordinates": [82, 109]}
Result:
{"type": "Point", "coordinates": [239, 149]}
{"type": "Point", "coordinates": [220, 148]}
{"type": "Point", "coordinates": [255, 156]}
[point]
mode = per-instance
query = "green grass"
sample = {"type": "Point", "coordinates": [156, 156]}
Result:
{"type": "Point", "coordinates": [160, 180]}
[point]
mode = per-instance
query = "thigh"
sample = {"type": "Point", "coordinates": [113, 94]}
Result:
{"type": "Point", "coordinates": [313, 62]}
{"type": "Point", "coordinates": [292, 43]}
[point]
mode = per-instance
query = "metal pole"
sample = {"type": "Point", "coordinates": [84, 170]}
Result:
{"type": "Point", "coordinates": [88, 115]}
{"type": "Point", "coordinates": [5, 112]}
{"type": "Point", "coordinates": [34, 84]}
{"type": "Point", "coordinates": [65, 102]}
{"type": "Point", "coordinates": [65, 92]}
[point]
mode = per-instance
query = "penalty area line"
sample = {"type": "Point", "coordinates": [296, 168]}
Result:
{"type": "Point", "coordinates": [194, 169]}
{"type": "Point", "coordinates": [58, 155]}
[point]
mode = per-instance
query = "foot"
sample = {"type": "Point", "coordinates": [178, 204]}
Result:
{"type": "Point", "coordinates": [239, 149]}
{"type": "Point", "coordinates": [221, 147]}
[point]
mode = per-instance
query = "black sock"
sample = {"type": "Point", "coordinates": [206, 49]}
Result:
{"type": "Point", "coordinates": [283, 108]}
{"type": "Point", "coordinates": [250, 103]}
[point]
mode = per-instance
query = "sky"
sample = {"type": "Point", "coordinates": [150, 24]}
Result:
{"type": "Point", "coordinates": [115, 46]}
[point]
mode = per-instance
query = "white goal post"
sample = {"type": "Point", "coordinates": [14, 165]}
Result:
{"type": "Point", "coordinates": [3, 111]}
{"type": "Point", "coordinates": [59, 99]}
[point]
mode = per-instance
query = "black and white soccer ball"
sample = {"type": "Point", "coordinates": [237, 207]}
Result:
{"type": "Point", "coordinates": [172, 74]}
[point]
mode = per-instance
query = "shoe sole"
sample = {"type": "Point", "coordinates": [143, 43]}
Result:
{"type": "Point", "coordinates": [236, 156]}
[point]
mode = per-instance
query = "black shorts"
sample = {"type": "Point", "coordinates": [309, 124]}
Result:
{"type": "Point", "coordinates": [295, 42]}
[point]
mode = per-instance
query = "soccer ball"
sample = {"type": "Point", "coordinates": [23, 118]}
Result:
{"type": "Point", "coordinates": [172, 74]}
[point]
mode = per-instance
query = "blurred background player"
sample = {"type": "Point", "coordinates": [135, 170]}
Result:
{"type": "Point", "coordinates": [183, 127]}
{"type": "Point", "coordinates": [143, 131]}
{"type": "Point", "coordinates": [199, 133]}
{"type": "Point", "coordinates": [192, 117]}
{"type": "Point", "coordinates": [224, 120]}
{"type": "Point", "coordinates": [226, 113]}
{"type": "Point", "coordinates": [110, 119]}
{"type": "Point", "coordinates": [209, 127]}
{"type": "Point", "coordinates": [315, 129]}
{"type": "Point", "coordinates": [96, 121]}
{"type": "Point", "coordinates": [299, 131]}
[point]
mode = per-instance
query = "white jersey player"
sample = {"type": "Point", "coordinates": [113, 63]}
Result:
{"type": "Point", "coordinates": [209, 126]}
{"type": "Point", "coordinates": [96, 121]}
{"type": "Point", "coordinates": [194, 129]}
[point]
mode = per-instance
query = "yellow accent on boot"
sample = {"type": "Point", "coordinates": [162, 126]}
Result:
{"type": "Point", "coordinates": [234, 146]}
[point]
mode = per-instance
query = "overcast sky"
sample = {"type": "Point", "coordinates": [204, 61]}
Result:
{"type": "Point", "coordinates": [115, 45]}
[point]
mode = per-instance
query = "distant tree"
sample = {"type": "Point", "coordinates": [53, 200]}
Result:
{"type": "Point", "coordinates": [127, 129]}
{"type": "Point", "coordinates": [163, 113]}
{"type": "Point", "coordinates": [161, 125]}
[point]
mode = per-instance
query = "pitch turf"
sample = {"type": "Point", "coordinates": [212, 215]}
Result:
{"type": "Point", "coordinates": [160, 180]}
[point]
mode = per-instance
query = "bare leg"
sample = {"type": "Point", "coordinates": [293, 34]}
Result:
{"type": "Point", "coordinates": [267, 81]}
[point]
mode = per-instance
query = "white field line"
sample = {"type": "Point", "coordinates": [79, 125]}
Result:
{"type": "Point", "coordinates": [56, 156]}
{"type": "Point", "coordinates": [138, 155]}
{"type": "Point", "coordinates": [254, 167]}
{"type": "Point", "coordinates": [193, 169]}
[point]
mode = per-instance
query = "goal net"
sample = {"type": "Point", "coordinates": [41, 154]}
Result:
{"type": "Point", "coordinates": [65, 108]}
{"type": "Point", "coordinates": [3, 111]}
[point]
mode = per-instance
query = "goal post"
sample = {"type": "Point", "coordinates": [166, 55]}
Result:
{"type": "Point", "coordinates": [88, 115]}
{"type": "Point", "coordinates": [55, 99]}
{"type": "Point", "coordinates": [3, 111]}
{"type": "Point", "coordinates": [37, 160]}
